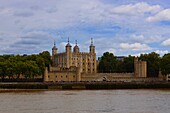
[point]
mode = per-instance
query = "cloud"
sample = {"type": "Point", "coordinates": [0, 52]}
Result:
{"type": "Point", "coordinates": [31, 26]}
{"type": "Point", "coordinates": [163, 15]}
{"type": "Point", "coordinates": [146, 39]}
{"type": "Point", "coordinates": [136, 9]}
{"type": "Point", "coordinates": [135, 46]}
{"type": "Point", "coordinates": [161, 52]}
{"type": "Point", "coordinates": [23, 13]}
{"type": "Point", "coordinates": [31, 42]}
{"type": "Point", "coordinates": [166, 42]}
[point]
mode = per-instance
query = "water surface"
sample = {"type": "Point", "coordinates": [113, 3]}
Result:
{"type": "Point", "coordinates": [86, 101]}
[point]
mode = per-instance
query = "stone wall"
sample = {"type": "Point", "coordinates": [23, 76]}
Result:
{"type": "Point", "coordinates": [60, 74]}
{"type": "Point", "coordinates": [105, 76]}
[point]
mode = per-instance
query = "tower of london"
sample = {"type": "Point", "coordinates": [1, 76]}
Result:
{"type": "Point", "coordinates": [86, 61]}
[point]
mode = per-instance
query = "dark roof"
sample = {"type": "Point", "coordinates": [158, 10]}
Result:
{"type": "Point", "coordinates": [68, 45]}
{"type": "Point", "coordinates": [54, 48]}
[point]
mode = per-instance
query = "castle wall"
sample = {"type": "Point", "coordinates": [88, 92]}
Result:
{"type": "Point", "coordinates": [105, 76]}
{"type": "Point", "coordinates": [140, 68]}
{"type": "Point", "coordinates": [62, 74]}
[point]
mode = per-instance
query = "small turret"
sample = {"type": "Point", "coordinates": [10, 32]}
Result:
{"type": "Point", "coordinates": [54, 53]}
{"type": "Point", "coordinates": [92, 47]}
{"type": "Point", "coordinates": [69, 54]}
{"type": "Point", "coordinates": [68, 44]}
{"type": "Point", "coordinates": [76, 48]}
{"type": "Point", "coordinates": [54, 49]}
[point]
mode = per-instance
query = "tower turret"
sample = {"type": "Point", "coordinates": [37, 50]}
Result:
{"type": "Point", "coordinates": [54, 49]}
{"type": "Point", "coordinates": [69, 54]}
{"type": "Point", "coordinates": [92, 47]}
{"type": "Point", "coordinates": [54, 52]}
{"type": "Point", "coordinates": [76, 48]}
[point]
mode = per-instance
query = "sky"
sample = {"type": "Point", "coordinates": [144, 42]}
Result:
{"type": "Point", "coordinates": [122, 27]}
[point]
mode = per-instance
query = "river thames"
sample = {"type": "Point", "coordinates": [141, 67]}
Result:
{"type": "Point", "coordinates": [86, 101]}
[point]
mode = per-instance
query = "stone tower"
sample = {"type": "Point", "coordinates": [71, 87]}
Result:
{"type": "Point", "coordinates": [76, 49]}
{"type": "Point", "coordinates": [54, 52]}
{"type": "Point", "coordinates": [140, 68]}
{"type": "Point", "coordinates": [92, 58]}
{"type": "Point", "coordinates": [92, 47]}
{"type": "Point", "coordinates": [68, 54]}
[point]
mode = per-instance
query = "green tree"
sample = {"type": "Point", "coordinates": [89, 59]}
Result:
{"type": "Point", "coordinates": [153, 63]}
{"type": "Point", "coordinates": [128, 64]}
{"type": "Point", "coordinates": [107, 63]}
{"type": "Point", "coordinates": [165, 64]}
{"type": "Point", "coordinates": [2, 70]}
{"type": "Point", "coordinates": [31, 69]}
{"type": "Point", "coordinates": [47, 58]}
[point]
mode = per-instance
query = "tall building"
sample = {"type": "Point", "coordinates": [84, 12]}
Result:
{"type": "Point", "coordinates": [86, 61]}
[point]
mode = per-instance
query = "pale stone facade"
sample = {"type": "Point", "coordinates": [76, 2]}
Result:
{"type": "Point", "coordinates": [140, 68]}
{"type": "Point", "coordinates": [69, 65]}
{"type": "Point", "coordinates": [86, 61]}
{"type": "Point", "coordinates": [62, 74]}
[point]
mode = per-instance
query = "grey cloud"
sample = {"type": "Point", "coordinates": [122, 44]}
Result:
{"type": "Point", "coordinates": [24, 14]}
{"type": "Point", "coordinates": [27, 42]}
{"type": "Point", "coordinates": [17, 21]}
{"type": "Point", "coordinates": [51, 10]}
{"type": "Point", "coordinates": [32, 42]}
{"type": "Point", "coordinates": [35, 7]}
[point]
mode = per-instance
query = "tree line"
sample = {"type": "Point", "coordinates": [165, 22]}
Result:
{"type": "Point", "coordinates": [30, 66]}
{"type": "Point", "coordinates": [155, 64]}
{"type": "Point", "coordinates": [27, 66]}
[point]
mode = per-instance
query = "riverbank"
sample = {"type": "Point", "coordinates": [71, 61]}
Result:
{"type": "Point", "coordinates": [84, 85]}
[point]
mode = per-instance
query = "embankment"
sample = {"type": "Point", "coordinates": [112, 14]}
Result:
{"type": "Point", "coordinates": [85, 85]}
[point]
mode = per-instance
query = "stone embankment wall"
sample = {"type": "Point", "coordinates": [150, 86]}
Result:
{"type": "Point", "coordinates": [105, 76]}
{"type": "Point", "coordinates": [119, 77]}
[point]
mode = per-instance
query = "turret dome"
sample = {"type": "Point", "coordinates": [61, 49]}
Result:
{"type": "Point", "coordinates": [76, 48]}
{"type": "Point", "coordinates": [68, 44]}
